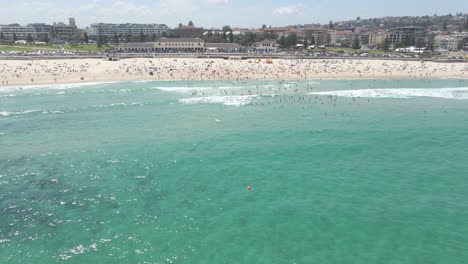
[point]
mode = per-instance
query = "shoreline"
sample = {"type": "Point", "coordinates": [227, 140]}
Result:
{"type": "Point", "coordinates": [92, 83]}
{"type": "Point", "coordinates": [72, 71]}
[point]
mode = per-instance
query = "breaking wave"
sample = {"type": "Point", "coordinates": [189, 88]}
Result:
{"type": "Point", "coordinates": [51, 86]}
{"type": "Point", "coordinates": [69, 110]}
{"type": "Point", "coordinates": [226, 100]}
{"type": "Point", "coordinates": [405, 93]}
{"type": "Point", "coordinates": [183, 90]}
{"type": "Point", "coordinates": [6, 113]}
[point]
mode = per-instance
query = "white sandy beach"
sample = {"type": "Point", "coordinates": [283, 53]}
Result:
{"type": "Point", "coordinates": [24, 72]}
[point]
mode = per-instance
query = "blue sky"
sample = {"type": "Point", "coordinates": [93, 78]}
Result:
{"type": "Point", "coordinates": [207, 13]}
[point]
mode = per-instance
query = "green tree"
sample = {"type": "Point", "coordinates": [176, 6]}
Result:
{"type": "Point", "coordinates": [385, 45]}
{"type": "Point", "coordinates": [463, 44]}
{"type": "Point", "coordinates": [100, 41]}
{"type": "Point", "coordinates": [306, 44]}
{"type": "Point", "coordinates": [116, 38]}
{"type": "Point", "coordinates": [431, 42]}
{"type": "Point", "coordinates": [180, 25]}
{"type": "Point", "coordinates": [46, 38]}
{"type": "Point", "coordinates": [128, 37]}
{"type": "Point", "coordinates": [227, 28]}
{"type": "Point", "coordinates": [406, 42]}
{"type": "Point", "coordinates": [356, 43]}
{"type": "Point", "coordinates": [330, 25]}
{"type": "Point", "coordinates": [191, 24]}
{"type": "Point", "coordinates": [86, 38]}
{"type": "Point", "coordinates": [72, 42]}
{"type": "Point", "coordinates": [2, 36]}
{"type": "Point", "coordinates": [154, 37]}
{"type": "Point", "coordinates": [215, 38]}
{"type": "Point", "coordinates": [291, 40]}
{"type": "Point", "coordinates": [264, 26]}
{"type": "Point", "coordinates": [444, 26]}
{"type": "Point", "coordinates": [282, 42]}
{"type": "Point", "coordinates": [105, 40]}
{"type": "Point", "coordinates": [15, 38]}
{"type": "Point", "coordinates": [312, 41]}
{"type": "Point", "coordinates": [224, 36]}
{"type": "Point", "coordinates": [231, 37]}
{"type": "Point", "coordinates": [30, 38]}
{"type": "Point", "coordinates": [142, 36]}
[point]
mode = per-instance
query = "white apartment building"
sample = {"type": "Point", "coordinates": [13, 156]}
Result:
{"type": "Point", "coordinates": [266, 46]}
{"type": "Point", "coordinates": [109, 30]}
{"type": "Point", "coordinates": [450, 42]}
{"type": "Point", "coordinates": [21, 32]}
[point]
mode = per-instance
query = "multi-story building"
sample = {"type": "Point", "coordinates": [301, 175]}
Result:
{"type": "Point", "coordinates": [319, 35]}
{"type": "Point", "coordinates": [109, 30]}
{"type": "Point", "coordinates": [376, 38]}
{"type": "Point", "coordinates": [42, 31]}
{"type": "Point", "coordinates": [340, 38]}
{"type": "Point", "coordinates": [407, 36]}
{"type": "Point", "coordinates": [188, 32]}
{"type": "Point", "coordinates": [63, 31]}
{"type": "Point", "coordinates": [403, 36]}
{"type": "Point", "coordinates": [450, 42]}
{"type": "Point", "coordinates": [21, 32]}
{"type": "Point", "coordinates": [266, 46]}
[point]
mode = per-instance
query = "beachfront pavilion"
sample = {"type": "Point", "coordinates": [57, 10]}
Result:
{"type": "Point", "coordinates": [164, 45]}
{"type": "Point", "coordinates": [179, 45]}
{"type": "Point", "coordinates": [145, 47]}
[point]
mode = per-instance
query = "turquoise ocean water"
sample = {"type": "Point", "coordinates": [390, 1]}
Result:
{"type": "Point", "coordinates": [157, 172]}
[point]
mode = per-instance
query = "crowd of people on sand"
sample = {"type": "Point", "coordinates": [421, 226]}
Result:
{"type": "Point", "coordinates": [67, 71]}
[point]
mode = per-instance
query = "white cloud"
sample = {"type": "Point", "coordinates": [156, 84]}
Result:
{"type": "Point", "coordinates": [288, 10]}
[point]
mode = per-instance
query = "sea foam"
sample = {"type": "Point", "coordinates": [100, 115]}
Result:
{"type": "Point", "coordinates": [226, 100]}
{"type": "Point", "coordinates": [183, 90]}
{"type": "Point", "coordinates": [405, 93]}
{"type": "Point", "coordinates": [6, 113]}
{"type": "Point", "coordinates": [64, 86]}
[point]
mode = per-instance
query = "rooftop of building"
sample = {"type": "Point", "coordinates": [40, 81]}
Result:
{"type": "Point", "coordinates": [180, 40]}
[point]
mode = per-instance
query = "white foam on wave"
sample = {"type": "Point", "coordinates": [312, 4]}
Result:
{"type": "Point", "coordinates": [183, 90]}
{"type": "Point", "coordinates": [190, 90]}
{"type": "Point", "coordinates": [6, 113]}
{"type": "Point", "coordinates": [63, 86]}
{"type": "Point", "coordinates": [238, 100]}
{"type": "Point", "coordinates": [118, 105]}
{"type": "Point", "coordinates": [404, 93]}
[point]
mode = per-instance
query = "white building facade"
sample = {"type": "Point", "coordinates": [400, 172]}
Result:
{"type": "Point", "coordinates": [266, 46]}
{"type": "Point", "coordinates": [109, 30]}
{"type": "Point", "coordinates": [450, 42]}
